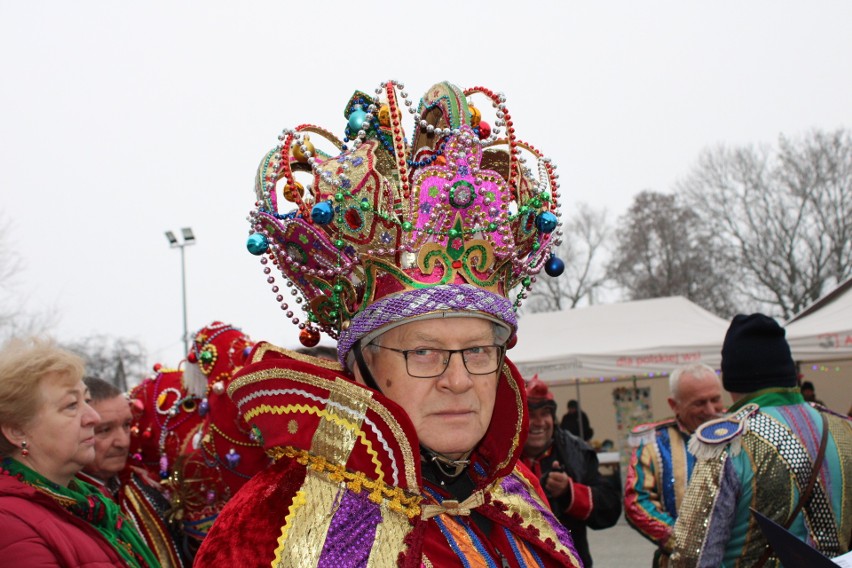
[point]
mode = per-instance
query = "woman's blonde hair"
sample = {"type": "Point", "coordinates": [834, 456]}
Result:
{"type": "Point", "coordinates": [24, 365]}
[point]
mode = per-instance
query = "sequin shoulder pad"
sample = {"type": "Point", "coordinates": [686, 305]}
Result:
{"type": "Point", "coordinates": [712, 437]}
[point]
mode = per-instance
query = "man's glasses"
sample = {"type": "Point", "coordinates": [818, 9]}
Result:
{"type": "Point", "coordinates": [431, 363]}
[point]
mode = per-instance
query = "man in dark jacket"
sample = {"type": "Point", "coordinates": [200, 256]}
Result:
{"type": "Point", "coordinates": [568, 469]}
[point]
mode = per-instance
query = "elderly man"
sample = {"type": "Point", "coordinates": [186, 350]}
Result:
{"type": "Point", "coordinates": [660, 464]}
{"type": "Point", "coordinates": [773, 453]}
{"type": "Point", "coordinates": [405, 453]}
{"type": "Point", "coordinates": [135, 492]}
{"type": "Point", "coordinates": [112, 437]}
{"type": "Point", "coordinates": [567, 466]}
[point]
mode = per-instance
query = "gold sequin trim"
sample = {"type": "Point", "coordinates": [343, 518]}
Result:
{"type": "Point", "coordinates": [693, 519]}
{"type": "Point", "coordinates": [516, 439]}
{"type": "Point", "coordinates": [324, 363]}
{"type": "Point", "coordinates": [841, 432]}
{"type": "Point", "coordinates": [531, 515]}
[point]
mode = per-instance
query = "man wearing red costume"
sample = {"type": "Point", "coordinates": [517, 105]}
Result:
{"type": "Point", "coordinates": [405, 453]}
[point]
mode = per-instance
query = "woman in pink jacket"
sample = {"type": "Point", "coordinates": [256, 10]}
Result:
{"type": "Point", "coordinates": [47, 517]}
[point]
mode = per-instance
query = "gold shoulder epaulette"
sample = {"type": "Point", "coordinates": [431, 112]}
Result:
{"type": "Point", "coordinates": [713, 437]}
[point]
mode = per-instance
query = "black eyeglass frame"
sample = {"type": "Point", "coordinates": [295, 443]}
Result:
{"type": "Point", "coordinates": [450, 353]}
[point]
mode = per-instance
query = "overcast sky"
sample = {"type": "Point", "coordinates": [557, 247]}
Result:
{"type": "Point", "coordinates": [121, 120]}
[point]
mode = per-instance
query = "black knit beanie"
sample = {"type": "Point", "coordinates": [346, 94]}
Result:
{"type": "Point", "coordinates": [756, 355]}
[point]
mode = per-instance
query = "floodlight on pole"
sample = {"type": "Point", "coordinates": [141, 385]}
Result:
{"type": "Point", "coordinates": [188, 239]}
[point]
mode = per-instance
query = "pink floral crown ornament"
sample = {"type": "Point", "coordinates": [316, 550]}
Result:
{"type": "Point", "coordinates": [387, 230]}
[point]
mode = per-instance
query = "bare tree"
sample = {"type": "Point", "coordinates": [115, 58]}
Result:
{"type": "Point", "coordinates": [15, 319]}
{"type": "Point", "coordinates": [10, 265]}
{"type": "Point", "coordinates": [118, 361]}
{"type": "Point", "coordinates": [783, 218]}
{"type": "Point", "coordinates": [586, 236]}
{"type": "Point", "coordinates": [664, 250]}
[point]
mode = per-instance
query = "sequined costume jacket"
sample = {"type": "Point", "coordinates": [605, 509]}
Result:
{"type": "Point", "coordinates": [591, 501]}
{"type": "Point", "coordinates": [346, 488]}
{"type": "Point", "coordinates": [659, 469]}
{"type": "Point", "coordinates": [761, 456]}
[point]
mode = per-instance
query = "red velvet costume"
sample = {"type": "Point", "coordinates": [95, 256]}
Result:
{"type": "Point", "coordinates": [346, 488]}
{"type": "Point", "coordinates": [190, 434]}
{"type": "Point", "coordinates": [223, 455]}
{"type": "Point", "coordinates": [165, 420]}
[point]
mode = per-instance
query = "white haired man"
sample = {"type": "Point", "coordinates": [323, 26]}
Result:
{"type": "Point", "coordinates": [660, 465]}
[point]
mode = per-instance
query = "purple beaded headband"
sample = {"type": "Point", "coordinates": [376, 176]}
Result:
{"type": "Point", "coordinates": [438, 301]}
{"type": "Point", "coordinates": [389, 230]}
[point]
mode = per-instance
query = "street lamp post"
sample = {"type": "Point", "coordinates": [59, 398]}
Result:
{"type": "Point", "coordinates": [188, 239]}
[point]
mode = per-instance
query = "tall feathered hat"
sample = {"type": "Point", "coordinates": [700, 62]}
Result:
{"type": "Point", "coordinates": [455, 220]}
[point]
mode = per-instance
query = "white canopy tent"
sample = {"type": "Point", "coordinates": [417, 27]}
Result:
{"type": "Point", "coordinates": [639, 338]}
{"type": "Point", "coordinates": [823, 331]}
{"type": "Point", "coordinates": [820, 338]}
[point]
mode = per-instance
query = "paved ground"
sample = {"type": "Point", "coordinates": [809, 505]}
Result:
{"type": "Point", "coordinates": [620, 547]}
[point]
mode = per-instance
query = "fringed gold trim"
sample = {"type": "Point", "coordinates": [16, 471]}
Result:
{"type": "Point", "coordinates": [357, 482]}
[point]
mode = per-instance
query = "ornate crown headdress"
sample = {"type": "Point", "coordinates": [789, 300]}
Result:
{"type": "Point", "coordinates": [389, 229]}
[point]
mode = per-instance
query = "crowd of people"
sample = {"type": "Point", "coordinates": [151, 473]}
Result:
{"type": "Point", "coordinates": [416, 442]}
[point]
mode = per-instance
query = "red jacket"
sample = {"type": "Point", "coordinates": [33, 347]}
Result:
{"type": "Point", "coordinates": [35, 531]}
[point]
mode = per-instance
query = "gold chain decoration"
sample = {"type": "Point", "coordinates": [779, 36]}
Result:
{"type": "Point", "coordinates": [398, 501]}
{"type": "Point", "coordinates": [229, 439]}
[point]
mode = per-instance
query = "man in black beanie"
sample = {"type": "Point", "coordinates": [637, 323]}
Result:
{"type": "Point", "coordinates": [773, 453]}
